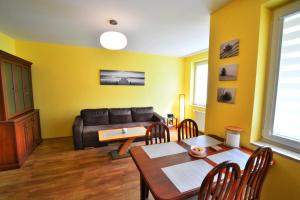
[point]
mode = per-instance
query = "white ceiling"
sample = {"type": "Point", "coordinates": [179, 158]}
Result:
{"type": "Point", "coordinates": [167, 27]}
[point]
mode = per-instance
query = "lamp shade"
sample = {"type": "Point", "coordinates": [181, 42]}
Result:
{"type": "Point", "coordinates": [113, 40]}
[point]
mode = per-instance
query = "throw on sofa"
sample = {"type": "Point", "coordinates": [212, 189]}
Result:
{"type": "Point", "coordinates": [90, 121]}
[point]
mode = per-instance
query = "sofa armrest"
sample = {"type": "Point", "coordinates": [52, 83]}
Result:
{"type": "Point", "coordinates": [158, 118]}
{"type": "Point", "coordinates": [77, 133]}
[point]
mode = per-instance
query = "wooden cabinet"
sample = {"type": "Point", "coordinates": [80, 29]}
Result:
{"type": "Point", "coordinates": [18, 138]}
{"type": "Point", "coordinates": [16, 90]}
{"type": "Point", "coordinates": [19, 122]}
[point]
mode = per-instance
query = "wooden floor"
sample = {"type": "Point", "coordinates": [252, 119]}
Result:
{"type": "Point", "coordinates": [56, 171]}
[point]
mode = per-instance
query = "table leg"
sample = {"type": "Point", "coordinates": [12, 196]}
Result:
{"type": "Point", "coordinates": [124, 147]}
{"type": "Point", "coordinates": [142, 188]}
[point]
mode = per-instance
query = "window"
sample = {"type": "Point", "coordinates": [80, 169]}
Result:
{"type": "Point", "coordinates": [200, 84]}
{"type": "Point", "coordinates": [282, 122]}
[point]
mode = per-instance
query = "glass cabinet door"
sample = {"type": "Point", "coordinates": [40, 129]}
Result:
{"type": "Point", "coordinates": [19, 89]}
{"type": "Point", "coordinates": [27, 88]}
{"type": "Point", "coordinates": [9, 88]}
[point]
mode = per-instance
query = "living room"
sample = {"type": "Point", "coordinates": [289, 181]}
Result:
{"type": "Point", "coordinates": [62, 41]}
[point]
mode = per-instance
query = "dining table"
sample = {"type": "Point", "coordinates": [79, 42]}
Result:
{"type": "Point", "coordinates": [169, 171]}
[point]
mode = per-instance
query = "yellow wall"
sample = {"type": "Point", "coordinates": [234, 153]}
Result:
{"type": "Point", "coordinates": [240, 19]}
{"type": "Point", "coordinates": [247, 20]}
{"type": "Point", "coordinates": [7, 43]}
{"type": "Point", "coordinates": [189, 64]}
{"type": "Point", "coordinates": [66, 80]}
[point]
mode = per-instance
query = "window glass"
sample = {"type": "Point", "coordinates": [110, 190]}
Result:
{"type": "Point", "coordinates": [287, 107]}
{"type": "Point", "coordinates": [200, 84]}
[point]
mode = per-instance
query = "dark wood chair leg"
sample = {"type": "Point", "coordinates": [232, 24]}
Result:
{"type": "Point", "coordinates": [142, 188]}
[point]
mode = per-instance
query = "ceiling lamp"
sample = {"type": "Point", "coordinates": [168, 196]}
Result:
{"type": "Point", "coordinates": [113, 40]}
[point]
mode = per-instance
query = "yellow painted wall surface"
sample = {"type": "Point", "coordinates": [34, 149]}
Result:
{"type": "Point", "coordinates": [66, 80]}
{"type": "Point", "coordinates": [261, 73]}
{"type": "Point", "coordinates": [238, 20]}
{"type": "Point", "coordinates": [7, 43]}
{"type": "Point", "coordinates": [189, 64]}
{"type": "Point", "coordinates": [243, 19]}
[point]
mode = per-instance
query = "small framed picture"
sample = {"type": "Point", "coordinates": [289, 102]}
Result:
{"type": "Point", "coordinates": [226, 95]}
{"type": "Point", "coordinates": [228, 72]}
{"type": "Point", "coordinates": [230, 49]}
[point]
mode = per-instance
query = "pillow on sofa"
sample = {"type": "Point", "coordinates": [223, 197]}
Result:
{"type": "Point", "coordinates": [120, 115]}
{"type": "Point", "coordinates": [142, 114]}
{"type": "Point", "coordinates": [94, 117]}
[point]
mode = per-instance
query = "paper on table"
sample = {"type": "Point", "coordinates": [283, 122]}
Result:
{"type": "Point", "coordinates": [202, 141]}
{"type": "Point", "coordinates": [234, 155]}
{"type": "Point", "coordinates": [117, 132]}
{"type": "Point", "coordinates": [189, 175]}
{"type": "Point", "coordinates": [164, 149]}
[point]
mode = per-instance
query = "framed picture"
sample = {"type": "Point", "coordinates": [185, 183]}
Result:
{"type": "Point", "coordinates": [226, 95]}
{"type": "Point", "coordinates": [230, 49]}
{"type": "Point", "coordinates": [115, 77]}
{"type": "Point", "coordinates": [228, 72]}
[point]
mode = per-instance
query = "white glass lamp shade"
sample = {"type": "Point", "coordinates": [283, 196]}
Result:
{"type": "Point", "coordinates": [113, 40]}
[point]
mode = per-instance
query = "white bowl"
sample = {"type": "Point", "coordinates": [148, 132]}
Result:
{"type": "Point", "coordinates": [198, 150]}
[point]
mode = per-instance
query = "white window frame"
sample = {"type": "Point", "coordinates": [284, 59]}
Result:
{"type": "Point", "coordinates": [194, 85]}
{"type": "Point", "coordinates": [276, 39]}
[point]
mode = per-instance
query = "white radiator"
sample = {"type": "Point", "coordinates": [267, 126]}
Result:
{"type": "Point", "coordinates": [200, 119]}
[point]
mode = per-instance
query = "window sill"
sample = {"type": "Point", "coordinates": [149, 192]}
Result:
{"type": "Point", "coordinates": [279, 150]}
{"type": "Point", "coordinates": [198, 106]}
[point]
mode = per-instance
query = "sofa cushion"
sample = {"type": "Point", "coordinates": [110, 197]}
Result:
{"type": "Point", "coordinates": [142, 114]}
{"type": "Point", "coordinates": [120, 115]}
{"type": "Point", "coordinates": [93, 117]}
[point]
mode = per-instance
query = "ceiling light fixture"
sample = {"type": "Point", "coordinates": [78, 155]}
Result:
{"type": "Point", "coordinates": [113, 40]}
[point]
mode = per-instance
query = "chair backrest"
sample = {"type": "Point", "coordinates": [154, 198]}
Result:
{"type": "Point", "coordinates": [187, 129]}
{"type": "Point", "coordinates": [254, 174]}
{"type": "Point", "coordinates": [157, 133]}
{"type": "Point", "coordinates": [221, 182]}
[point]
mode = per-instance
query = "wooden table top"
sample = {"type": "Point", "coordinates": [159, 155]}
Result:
{"type": "Point", "coordinates": [159, 184]}
{"type": "Point", "coordinates": [137, 132]}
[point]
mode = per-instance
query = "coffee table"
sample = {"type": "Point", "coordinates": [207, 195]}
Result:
{"type": "Point", "coordinates": [111, 135]}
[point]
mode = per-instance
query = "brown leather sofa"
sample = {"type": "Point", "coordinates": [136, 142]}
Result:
{"type": "Point", "coordinates": [90, 121]}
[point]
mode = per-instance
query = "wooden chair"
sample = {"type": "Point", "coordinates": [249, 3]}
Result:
{"type": "Point", "coordinates": [187, 129]}
{"type": "Point", "coordinates": [254, 174]}
{"type": "Point", "coordinates": [157, 133]}
{"type": "Point", "coordinates": [221, 182]}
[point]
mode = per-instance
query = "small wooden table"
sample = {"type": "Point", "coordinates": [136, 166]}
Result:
{"type": "Point", "coordinates": [117, 134]}
{"type": "Point", "coordinates": [152, 177]}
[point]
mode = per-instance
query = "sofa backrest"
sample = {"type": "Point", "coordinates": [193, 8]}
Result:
{"type": "Point", "coordinates": [120, 115]}
{"type": "Point", "coordinates": [142, 114]}
{"type": "Point", "coordinates": [104, 116]}
{"type": "Point", "coordinates": [93, 117]}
